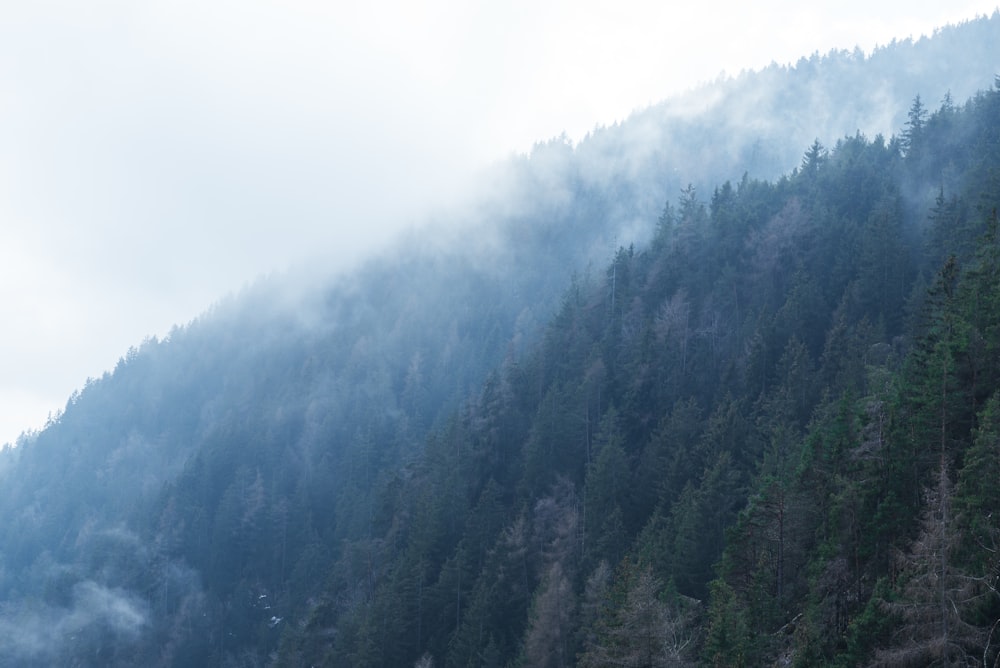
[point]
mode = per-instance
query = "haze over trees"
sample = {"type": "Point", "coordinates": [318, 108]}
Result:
{"type": "Point", "coordinates": [707, 389]}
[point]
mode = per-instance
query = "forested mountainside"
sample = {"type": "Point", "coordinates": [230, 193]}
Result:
{"type": "Point", "coordinates": [722, 446]}
{"type": "Point", "coordinates": [759, 122]}
{"type": "Point", "coordinates": [771, 437]}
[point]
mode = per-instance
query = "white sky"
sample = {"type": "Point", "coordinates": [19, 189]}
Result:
{"type": "Point", "coordinates": [157, 154]}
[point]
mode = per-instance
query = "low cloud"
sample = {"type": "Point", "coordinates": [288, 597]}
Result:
{"type": "Point", "coordinates": [39, 633]}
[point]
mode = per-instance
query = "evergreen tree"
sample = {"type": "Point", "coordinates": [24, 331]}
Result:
{"type": "Point", "coordinates": [916, 118]}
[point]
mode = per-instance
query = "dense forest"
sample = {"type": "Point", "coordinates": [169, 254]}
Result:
{"type": "Point", "coordinates": [772, 435]}
{"type": "Point", "coordinates": [764, 430]}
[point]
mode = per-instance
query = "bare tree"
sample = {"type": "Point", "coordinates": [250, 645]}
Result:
{"type": "Point", "coordinates": [548, 643]}
{"type": "Point", "coordinates": [643, 632]}
{"type": "Point", "coordinates": [935, 595]}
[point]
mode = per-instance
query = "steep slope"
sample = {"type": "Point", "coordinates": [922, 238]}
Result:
{"type": "Point", "coordinates": [257, 475]}
{"type": "Point", "coordinates": [726, 446]}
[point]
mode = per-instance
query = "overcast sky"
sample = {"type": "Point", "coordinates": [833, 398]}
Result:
{"type": "Point", "coordinates": [156, 155]}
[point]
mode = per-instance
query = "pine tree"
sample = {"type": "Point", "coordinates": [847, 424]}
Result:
{"type": "Point", "coordinates": [916, 119]}
{"type": "Point", "coordinates": [978, 494]}
{"type": "Point", "coordinates": [977, 500]}
{"type": "Point", "coordinates": [728, 641]}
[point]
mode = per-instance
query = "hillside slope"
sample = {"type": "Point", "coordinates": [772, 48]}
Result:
{"type": "Point", "coordinates": [281, 478]}
{"type": "Point", "coordinates": [768, 438]}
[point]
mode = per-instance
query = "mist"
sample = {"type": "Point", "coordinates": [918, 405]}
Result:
{"type": "Point", "coordinates": [48, 633]}
{"type": "Point", "coordinates": [98, 606]}
{"type": "Point", "coordinates": [158, 157]}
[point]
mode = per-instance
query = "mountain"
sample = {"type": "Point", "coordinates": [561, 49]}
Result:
{"type": "Point", "coordinates": [767, 438]}
{"type": "Point", "coordinates": [745, 427]}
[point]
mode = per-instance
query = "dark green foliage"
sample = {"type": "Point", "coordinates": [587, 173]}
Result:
{"type": "Point", "coordinates": [728, 641]}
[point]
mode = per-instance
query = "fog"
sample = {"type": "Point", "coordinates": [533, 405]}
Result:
{"type": "Point", "coordinates": [88, 610]}
{"type": "Point", "coordinates": [159, 155]}
{"type": "Point", "coordinates": [47, 634]}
